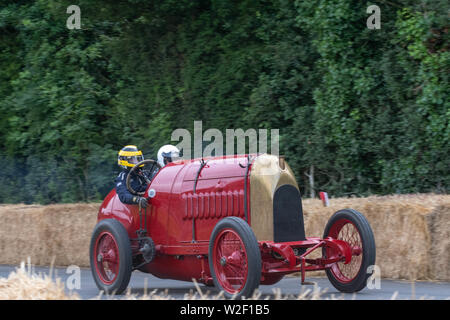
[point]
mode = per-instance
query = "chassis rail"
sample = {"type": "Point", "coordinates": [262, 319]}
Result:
{"type": "Point", "coordinates": [280, 258]}
{"type": "Point", "coordinates": [289, 261]}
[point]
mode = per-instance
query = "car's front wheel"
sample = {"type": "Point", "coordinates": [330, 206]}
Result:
{"type": "Point", "coordinates": [352, 227]}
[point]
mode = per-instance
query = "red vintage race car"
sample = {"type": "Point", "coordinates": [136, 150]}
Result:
{"type": "Point", "coordinates": [234, 222]}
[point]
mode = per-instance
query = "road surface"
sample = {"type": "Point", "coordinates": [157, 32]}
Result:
{"type": "Point", "coordinates": [140, 282]}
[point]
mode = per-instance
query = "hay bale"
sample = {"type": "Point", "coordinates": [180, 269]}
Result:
{"type": "Point", "coordinates": [65, 232]}
{"type": "Point", "coordinates": [439, 226]}
{"type": "Point", "coordinates": [57, 233]}
{"type": "Point", "coordinates": [19, 233]}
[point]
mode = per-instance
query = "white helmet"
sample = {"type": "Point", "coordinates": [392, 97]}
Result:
{"type": "Point", "coordinates": [167, 154]}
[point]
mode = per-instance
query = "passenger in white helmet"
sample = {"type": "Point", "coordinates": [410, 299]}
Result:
{"type": "Point", "coordinates": [167, 153]}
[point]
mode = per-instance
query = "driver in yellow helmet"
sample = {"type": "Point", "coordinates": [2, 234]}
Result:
{"type": "Point", "coordinates": [128, 157]}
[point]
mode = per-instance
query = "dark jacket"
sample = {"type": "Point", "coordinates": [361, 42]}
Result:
{"type": "Point", "coordinates": [138, 184]}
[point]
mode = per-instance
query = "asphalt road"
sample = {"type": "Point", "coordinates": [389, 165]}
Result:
{"type": "Point", "coordinates": [141, 282]}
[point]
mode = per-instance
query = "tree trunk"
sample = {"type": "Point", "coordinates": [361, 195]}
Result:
{"type": "Point", "coordinates": [311, 182]}
{"type": "Point", "coordinates": [310, 175]}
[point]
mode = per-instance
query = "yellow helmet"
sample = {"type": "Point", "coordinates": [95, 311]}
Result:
{"type": "Point", "coordinates": [129, 156]}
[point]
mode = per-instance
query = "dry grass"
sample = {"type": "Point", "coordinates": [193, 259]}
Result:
{"type": "Point", "coordinates": [23, 284]}
{"type": "Point", "coordinates": [306, 294]}
{"type": "Point", "coordinates": [412, 232]}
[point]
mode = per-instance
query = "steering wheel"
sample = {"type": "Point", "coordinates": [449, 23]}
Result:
{"type": "Point", "coordinates": [144, 169]}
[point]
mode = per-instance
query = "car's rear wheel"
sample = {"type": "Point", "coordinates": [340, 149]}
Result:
{"type": "Point", "coordinates": [234, 258]}
{"type": "Point", "coordinates": [352, 227]}
{"type": "Point", "coordinates": [110, 256]}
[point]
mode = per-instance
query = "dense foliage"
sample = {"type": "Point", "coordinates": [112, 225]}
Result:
{"type": "Point", "coordinates": [367, 109]}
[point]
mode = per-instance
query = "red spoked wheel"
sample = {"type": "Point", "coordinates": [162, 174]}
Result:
{"type": "Point", "coordinates": [110, 256]}
{"type": "Point", "coordinates": [352, 227]}
{"type": "Point", "coordinates": [230, 261]}
{"type": "Point", "coordinates": [106, 252]}
{"type": "Point", "coordinates": [234, 258]}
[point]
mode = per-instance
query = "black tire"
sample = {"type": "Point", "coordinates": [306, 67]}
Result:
{"type": "Point", "coordinates": [115, 230]}
{"type": "Point", "coordinates": [359, 281]}
{"type": "Point", "coordinates": [253, 256]}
